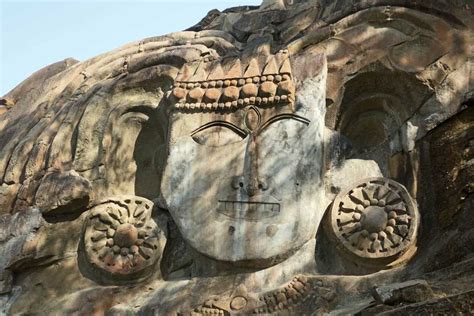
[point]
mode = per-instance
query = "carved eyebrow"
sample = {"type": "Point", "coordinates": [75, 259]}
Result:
{"type": "Point", "coordinates": [283, 117]}
{"type": "Point", "coordinates": [228, 125]}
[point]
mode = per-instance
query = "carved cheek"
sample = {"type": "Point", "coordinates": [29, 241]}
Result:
{"type": "Point", "coordinates": [287, 137]}
{"type": "Point", "coordinates": [193, 168]}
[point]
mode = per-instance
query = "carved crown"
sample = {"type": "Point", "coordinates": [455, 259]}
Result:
{"type": "Point", "coordinates": [229, 83]}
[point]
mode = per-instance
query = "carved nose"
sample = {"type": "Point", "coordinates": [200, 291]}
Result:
{"type": "Point", "coordinates": [252, 189]}
{"type": "Point", "coordinates": [250, 186]}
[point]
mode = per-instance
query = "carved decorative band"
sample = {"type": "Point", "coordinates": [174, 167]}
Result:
{"type": "Point", "coordinates": [206, 86]}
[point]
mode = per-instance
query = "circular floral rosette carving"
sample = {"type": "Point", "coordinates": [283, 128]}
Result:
{"type": "Point", "coordinates": [120, 236]}
{"type": "Point", "coordinates": [375, 220]}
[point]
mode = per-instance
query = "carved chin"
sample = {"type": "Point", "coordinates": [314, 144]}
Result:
{"type": "Point", "coordinates": [244, 228]}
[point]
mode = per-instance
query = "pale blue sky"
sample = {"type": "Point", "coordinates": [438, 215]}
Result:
{"type": "Point", "coordinates": [37, 33]}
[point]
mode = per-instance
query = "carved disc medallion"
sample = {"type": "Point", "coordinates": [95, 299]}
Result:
{"type": "Point", "coordinates": [377, 219]}
{"type": "Point", "coordinates": [121, 238]}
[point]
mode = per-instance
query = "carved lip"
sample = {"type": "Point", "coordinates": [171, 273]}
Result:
{"type": "Point", "coordinates": [248, 210]}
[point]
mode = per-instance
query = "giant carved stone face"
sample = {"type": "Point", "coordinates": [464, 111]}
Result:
{"type": "Point", "coordinates": [243, 179]}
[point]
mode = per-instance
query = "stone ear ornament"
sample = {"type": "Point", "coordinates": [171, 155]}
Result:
{"type": "Point", "coordinates": [121, 239]}
{"type": "Point", "coordinates": [375, 223]}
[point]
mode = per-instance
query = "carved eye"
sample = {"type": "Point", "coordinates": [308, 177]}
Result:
{"type": "Point", "coordinates": [217, 134]}
{"type": "Point", "coordinates": [284, 127]}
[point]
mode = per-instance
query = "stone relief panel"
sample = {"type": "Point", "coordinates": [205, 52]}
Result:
{"type": "Point", "coordinates": [121, 239]}
{"type": "Point", "coordinates": [240, 131]}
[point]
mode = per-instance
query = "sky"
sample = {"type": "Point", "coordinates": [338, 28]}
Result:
{"type": "Point", "coordinates": [37, 33]}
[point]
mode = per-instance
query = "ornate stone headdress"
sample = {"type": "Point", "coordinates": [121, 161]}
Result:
{"type": "Point", "coordinates": [229, 83]}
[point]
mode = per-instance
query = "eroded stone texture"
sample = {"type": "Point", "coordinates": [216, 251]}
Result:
{"type": "Point", "coordinates": [407, 292]}
{"type": "Point", "coordinates": [298, 157]}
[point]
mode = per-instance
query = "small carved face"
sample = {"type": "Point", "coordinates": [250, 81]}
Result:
{"type": "Point", "coordinates": [245, 183]}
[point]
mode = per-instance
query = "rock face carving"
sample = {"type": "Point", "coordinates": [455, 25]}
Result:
{"type": "Point", "coordinates": [120, 237]}
{"type": "Point", "coordinates": [294, 158]}
{"type": "Point", "coordinates": [300, 294]}
{"type": "Point", "coordinates": [377, 219]}
{"type": "Point", "coordinates": [246, 195]}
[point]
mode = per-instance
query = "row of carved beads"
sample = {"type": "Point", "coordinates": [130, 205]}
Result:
{"type": "Point", "coordinates": [281, 300]}
{"type": "Point", "coordinates": [234, 93]}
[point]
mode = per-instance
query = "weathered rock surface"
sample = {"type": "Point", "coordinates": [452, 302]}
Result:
{"type": "Point", "coordinates": [412, 291]}
{"type": "Point", "coordinates": [298, 157]}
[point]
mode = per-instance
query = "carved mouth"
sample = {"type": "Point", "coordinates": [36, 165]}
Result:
{"type": "Point", "coordinates": [248, 210]}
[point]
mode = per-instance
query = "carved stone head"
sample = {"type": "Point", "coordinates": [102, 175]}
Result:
{"type": "Point", "coordinates": [188, 174]}
{"type": "Point", "coordinates": [243, 179]}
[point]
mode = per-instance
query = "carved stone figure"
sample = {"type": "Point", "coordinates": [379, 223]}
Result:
{"type": "Point", "coordinates": [248, 189]}
{"type": "Point", "coordinates": [298, 157]}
